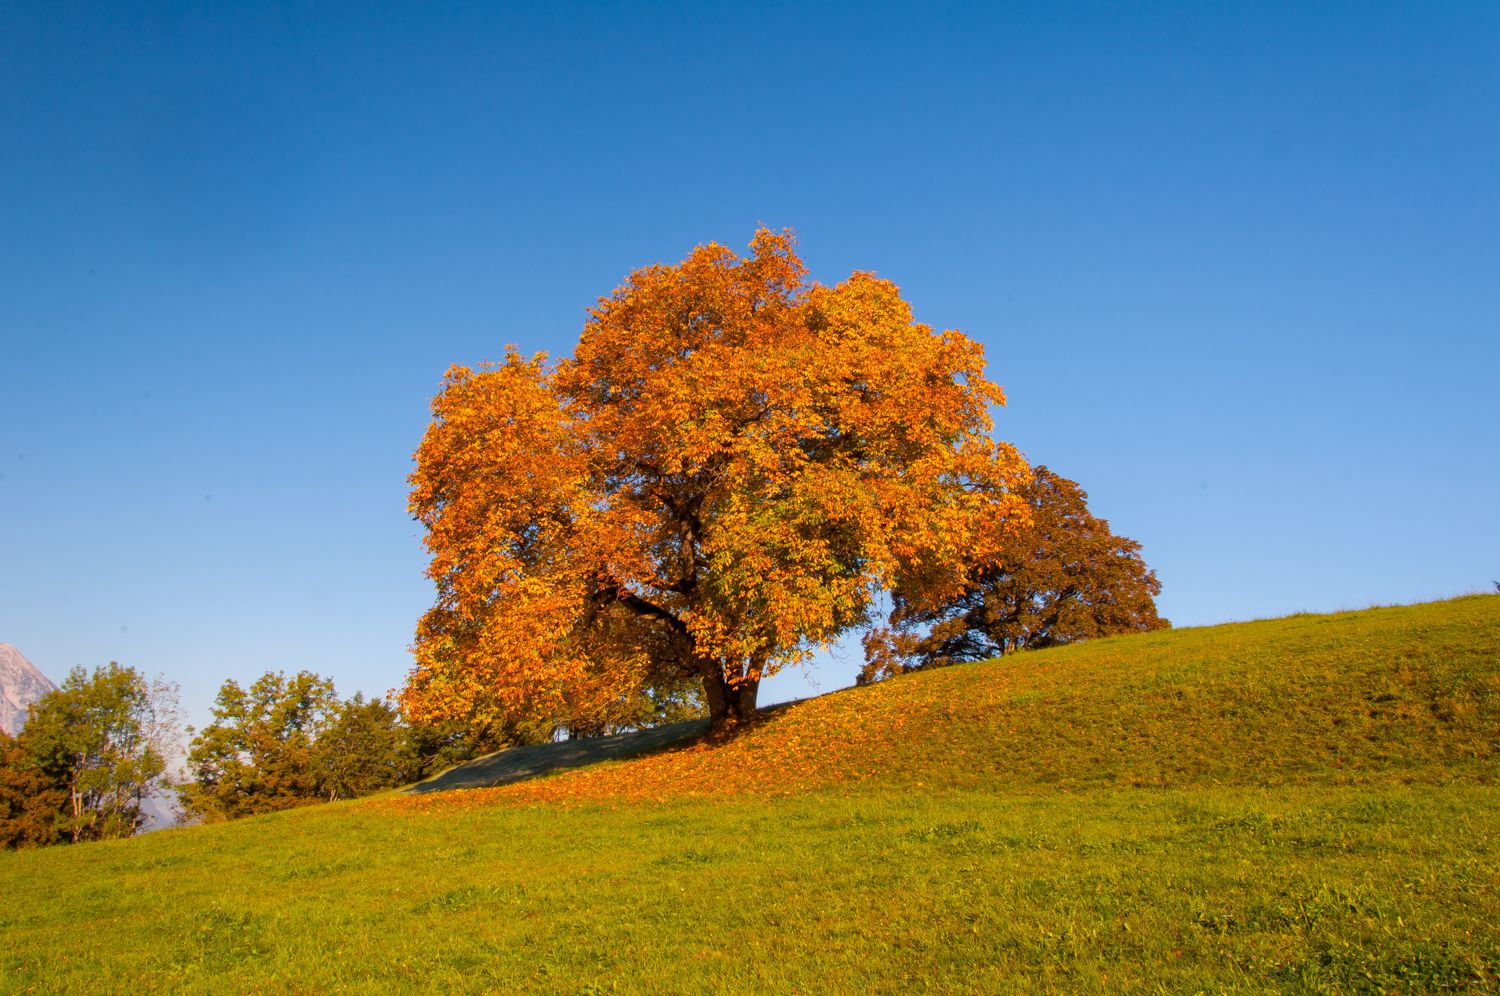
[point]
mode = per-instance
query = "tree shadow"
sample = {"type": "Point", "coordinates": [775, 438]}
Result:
{"type": "Point", "coordinates": [517, 764]}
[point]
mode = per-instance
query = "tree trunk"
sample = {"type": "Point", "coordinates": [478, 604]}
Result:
{"type": "Point", "coordinates": [728, 705]}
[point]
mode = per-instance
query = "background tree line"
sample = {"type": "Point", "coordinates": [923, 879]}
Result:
{"type": "Point", "coordinates": [94, 753]}
{"type": "Point", "coordinates": [291, 741]}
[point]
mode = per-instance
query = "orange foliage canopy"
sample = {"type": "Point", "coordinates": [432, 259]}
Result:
{"type": "Point", "coordinates": [724, 476]}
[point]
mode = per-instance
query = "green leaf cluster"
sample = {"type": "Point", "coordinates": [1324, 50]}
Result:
{"type": "Point", "coordinates": [90, 755]}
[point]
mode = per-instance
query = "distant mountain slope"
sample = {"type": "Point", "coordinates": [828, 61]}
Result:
{"type": "Point", "coordinates": [21, 684]}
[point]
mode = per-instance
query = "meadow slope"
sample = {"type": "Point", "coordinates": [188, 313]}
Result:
{"type": "Point", "coordinates": [1391, 694]}
{"type": "Point", "coordinates": [1307, 803]}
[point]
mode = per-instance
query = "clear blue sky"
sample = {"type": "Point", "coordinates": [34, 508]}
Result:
{"type": "Point", "coordinates": [1238, 269]}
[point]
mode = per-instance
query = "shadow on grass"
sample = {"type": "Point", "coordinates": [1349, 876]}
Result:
{"type": "Point", "coordinates": [520, 763]}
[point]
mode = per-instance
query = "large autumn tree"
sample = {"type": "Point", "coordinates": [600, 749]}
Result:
{"type": "Point", "coordinates": [731, 466]}
{"type": "Point", "coordinates": [1063, 577]}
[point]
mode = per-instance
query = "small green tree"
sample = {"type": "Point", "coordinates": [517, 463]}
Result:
{"type": "Point", "coordinates": [365, 748]}
{"type": "Point", "coordinates": [104, 739]}
{"type": "Point", "coordinates": [259, 753]}
{"type": "Point", "coordinates": [1066, 577]}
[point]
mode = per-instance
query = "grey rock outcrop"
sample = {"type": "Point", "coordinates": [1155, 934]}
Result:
{"type": "Point", "coordinates": [21, 684]}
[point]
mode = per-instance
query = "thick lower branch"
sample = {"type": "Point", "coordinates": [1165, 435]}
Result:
{"type": "Point", "coordinates": [642, 607]}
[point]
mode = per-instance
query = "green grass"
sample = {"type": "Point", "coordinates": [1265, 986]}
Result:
{"type": "Point", "coordinates": [1299, 804]}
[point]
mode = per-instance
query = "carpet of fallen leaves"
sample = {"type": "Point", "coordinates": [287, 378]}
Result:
{"type": "Point", "coordinates": [842, 738]}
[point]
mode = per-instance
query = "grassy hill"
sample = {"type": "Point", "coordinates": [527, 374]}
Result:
{"type": "Point", "coordinates": [1302, 803]}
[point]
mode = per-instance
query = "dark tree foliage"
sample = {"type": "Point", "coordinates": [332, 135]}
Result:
{"type": "Point", "coordinates": [1063, 579]}
{"type": "Point", "coordinates": [638, 709]}
{"type": "Point", "coordinates": [33, 802]}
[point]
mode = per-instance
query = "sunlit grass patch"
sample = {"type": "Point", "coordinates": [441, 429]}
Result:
{"type": "Point", "coordinates": [1335, 887]}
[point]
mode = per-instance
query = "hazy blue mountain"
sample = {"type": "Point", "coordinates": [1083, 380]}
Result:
{"type": "Point", "coordinates": [21, 684]}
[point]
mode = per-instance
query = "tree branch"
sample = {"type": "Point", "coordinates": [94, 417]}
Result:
{"type": "Point", "coordinates": [614, 593]}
